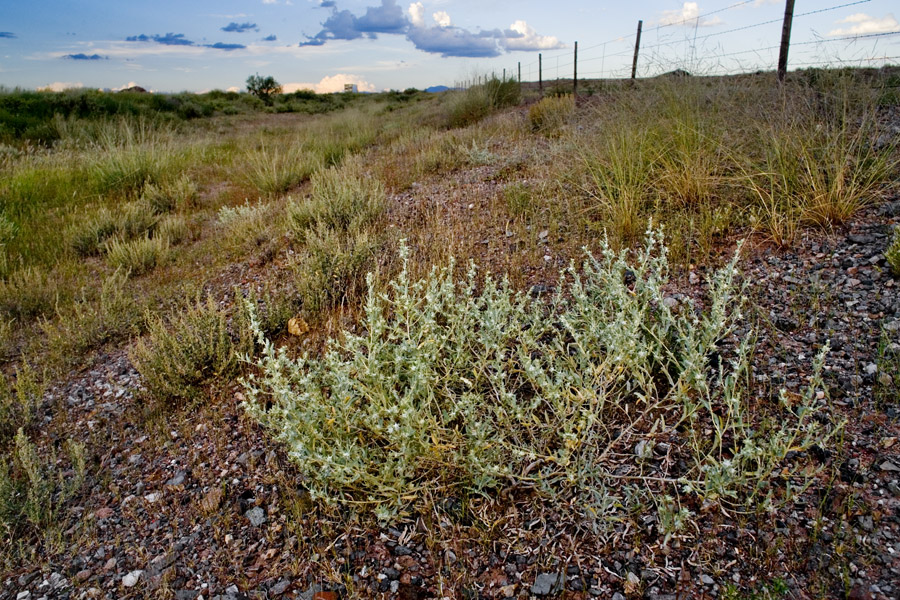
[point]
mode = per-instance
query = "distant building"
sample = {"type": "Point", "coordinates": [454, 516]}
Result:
{"type": "Point", "coordinates": [350, 87]}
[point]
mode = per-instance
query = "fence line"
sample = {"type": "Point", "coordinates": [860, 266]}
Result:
{"type": "Point", "coordinates": [693, 52]}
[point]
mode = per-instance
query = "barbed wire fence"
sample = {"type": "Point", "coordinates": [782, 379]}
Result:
{"type": "Point", "coordinates": [681, 46]}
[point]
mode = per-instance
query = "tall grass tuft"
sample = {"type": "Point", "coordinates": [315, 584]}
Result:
{"type": "Point", "coordinates": [274, 170]}
{"type": "Point", "coordinates": [137, 256]}
{"type": "Point", "coordinates": [342, 198]}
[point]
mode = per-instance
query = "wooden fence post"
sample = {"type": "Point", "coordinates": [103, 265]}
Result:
{"type": "Point", "coordinates": [785, 39]}
{"type": "Point", "coordinates": [575, 75]}
{"type": "Point", "coordinates": [540, 75]}
{"type": "Point", "coordinates": [637, 47]}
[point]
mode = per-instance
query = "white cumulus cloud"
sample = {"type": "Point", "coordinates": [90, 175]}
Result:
{"type": "Point", "coordinates": [330, 84]}
{"type": "Point", "coordinates": [442, 18]}
{"type": "Point", "coordinates": [417, 14]}
{"type": "Point", "coordinates": [688, 15]}
{"type": "Point", "coordinates": [861, 24]}
{"type": "Point", "coordinates": [529, 39]}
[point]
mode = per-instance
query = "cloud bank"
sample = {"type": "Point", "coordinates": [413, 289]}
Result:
{"type": "Point", "coordinates": [7, 34]}
{"type": "Point", "coordinates": [862, 24]}
{"type": "Point", "coordinates": [82, 56]}
{"type": "Point", "coordinates": [441, 37]}
{"type": "Point", "coordinates": [178, 39]}
{"type": "Point", "coordinates": [240, 27]}
{"type": "Point", "coordinates": [688, 15]}
{"type": "Point", "coordinates": [331, 84]}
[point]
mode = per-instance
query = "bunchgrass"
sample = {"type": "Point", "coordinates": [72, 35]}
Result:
{"type": "Point", "coordinates": [137, 256]}
{"type": "Point", "coordinates": [342, 198]}
{"type": "Point", "coordinates": [893, 253]}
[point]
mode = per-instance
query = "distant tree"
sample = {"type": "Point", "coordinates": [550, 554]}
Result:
{"type": "Point", "coordinates": [263, 87]}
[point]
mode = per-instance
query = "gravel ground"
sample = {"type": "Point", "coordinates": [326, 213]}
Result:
{"type": "Point", "coordinates": [197, 503]}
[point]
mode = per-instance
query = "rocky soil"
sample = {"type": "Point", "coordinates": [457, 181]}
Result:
{"type": "Point", "coordinates": [198, 503]}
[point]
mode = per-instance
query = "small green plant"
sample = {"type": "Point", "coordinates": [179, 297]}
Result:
{"type": "Point", "coordinates": [342, 198]}
{"type": "Point", "coordinates": [137, 256]}
{"type": "Point", "coordinates": [893, 253]}
{"type": "Point", "coordinates": [19, 400]}
{"type": "Point", "coordinates": [8, 231]}
{"type": "Point", "coordinates": [33, 490]}
{"type": "Point", "coordinates": [189, 350]}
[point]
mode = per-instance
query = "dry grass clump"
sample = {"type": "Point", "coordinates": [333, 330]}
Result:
{"type": "Point", "coordinates": [137, 256]}
{"type": "Point", "coordinates": [345, 198]}
{"type": "Point", "coordinates": [275, 170]}
{"type": "Point", "coordinates": [550, 114]}
{"type": "Point", "coordinates": [246, 225]}
{"type": "Point", "coordinates": [31, 291]}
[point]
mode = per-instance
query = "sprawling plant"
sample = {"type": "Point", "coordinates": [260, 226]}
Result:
{"type": "Point", "coordinates": [607, 396]}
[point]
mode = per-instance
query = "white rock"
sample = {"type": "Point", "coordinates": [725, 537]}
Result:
{"type": "Point", "coordinates": [132, 578]}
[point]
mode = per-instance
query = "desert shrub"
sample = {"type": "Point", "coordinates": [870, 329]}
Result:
{"type": "Point", "coordinates": [189, 350]}
{"type": "Point", "coordinates": [332, 267]}
{"type": "Point", "coordinates": [342, 198]}
{"type": "Point", "coordinates": [19, 400]}
{"type": "Point", "coordinates": [245, 224]}
{"type": "Point", "coordinates": [94, 319]}
{"type": "Point", "coordinates": [893, 253]}
{"type": "Point", "coordinates": [456, 387]}
{"type": "Point", "coordinates": [30, 292]}
{"type": "Point", "coordinates": [551, 113]}
{"type": "Point", "coordinates": [132, 220]}
{"type": "Point", "coordinates": [172, 228]}
{"type": "Point", "coordinates": [33, 490]}
{"type": "Point", "coordinates": [137, 256]}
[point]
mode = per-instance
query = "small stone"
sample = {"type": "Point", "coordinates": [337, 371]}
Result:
{"type": "Point", "coordinates": [889, 466]}
{"type": "Point", "coordinates": [110, 565]}
{"type": "Point", "coordinates": [545, 584]}
{"type": "Point", "coordinates": [26, 595]}
{"type": "Point", "coordinates": [256, 516]}
{"type": "Point", "coordinates": [670, 302]}
{"type": "Point", "coordinates": [508, 591]}
{"type": "Point", "coordinates": [228, 539]}
{"type": "Point", "coordinates": [131, 579]}
{"type": "Point", "coordinates": [212, 500]}
{"type": "Point", "coordinates": [103, 513]}
{"type": "Point", "coordinates": [706, 579]}
{"type": "Point", "coordinates": [693, 278]}
{"type": "Point", "coordinates": [885, 379]}
{"type": "Point", "coordinates": [871, 369]}
{"type": "Point", "coordinates": [177, 480]}
{"type": "Point", "coordinates": [83, 575]}
{"type": "Point", "coordinates": [280, 587]}
{"type": "Point", "coordinates": [543, 235]}
{"type": "Point", "coordinates": [333, 595]}
{"type": "Point", "coordinates": [297, 326]}
{"type": "Point", "coordinates": [893, 326]}
{"type": "Point", "coordinates": [153, 497]}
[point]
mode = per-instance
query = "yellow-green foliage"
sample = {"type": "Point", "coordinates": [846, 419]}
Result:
{"type": "Point", "coordinates": [137, 256]}
{"type": "Point", "coordinates": [189, 350]}
{"type": "Point", "coordinates": [274, 170]}
{"type": "Point", "coordinates": [551, 113]}
{"type": "Point", "coordinates": [19, 400]}
{"type": "Point", "coordinates": [30, 292]}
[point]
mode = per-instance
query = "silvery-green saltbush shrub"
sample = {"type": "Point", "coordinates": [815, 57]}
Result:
{"type": "Point", "coordinates": [452, 390]}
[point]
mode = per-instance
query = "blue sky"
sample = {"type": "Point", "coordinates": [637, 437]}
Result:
{"type": "Point", "coordinates": [394, 44]}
